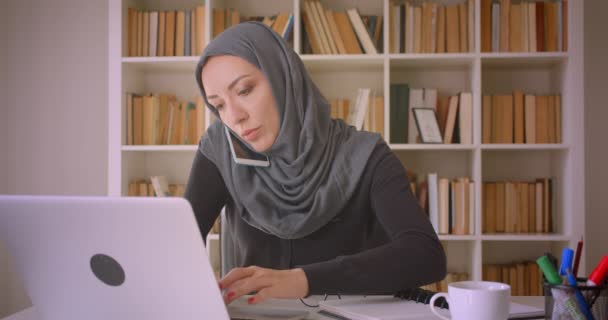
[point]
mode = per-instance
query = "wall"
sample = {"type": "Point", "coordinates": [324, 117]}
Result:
{"type": "Point", "coordinates": [3, 104]}
{"type": "Point", "coordinates": [57, 96]}
{"type": "Point", "coordinates": [55, 107]}
{"type": "Point", "coordinates": [3, 166]}
{"type": "Point", "coordinates": [596, 130]}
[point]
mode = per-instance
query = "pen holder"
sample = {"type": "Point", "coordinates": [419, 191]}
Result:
{"type": "Point", "coordinates": [561, 302]}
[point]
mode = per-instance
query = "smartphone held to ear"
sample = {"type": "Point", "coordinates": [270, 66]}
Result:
{"type": "Point", "coordinates": [243, 155]}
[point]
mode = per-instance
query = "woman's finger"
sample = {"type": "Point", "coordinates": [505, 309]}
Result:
{"type": "Point", "coordinates": [234, 275]}
{"type": "Point", "coordinates": [245, 286]}
{"type": "Point", "coordinates": [260, 296]}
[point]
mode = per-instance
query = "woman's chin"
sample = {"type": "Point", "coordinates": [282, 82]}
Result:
{"type": "Point", "coordinates": [260, 146]}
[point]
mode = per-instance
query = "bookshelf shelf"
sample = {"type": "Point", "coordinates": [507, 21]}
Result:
{"type": "Point", "coordinates": [160, 63]}
{"type": "Point", "coordinates": [339, 77]}
{"type": "Point", "coordinates": [433, 60]}
{"type": "Point", "coordinates": [159, 59]}
{"type": "Point", "coordinates": [343, 62]}
{"type": "Point", "coordinates": [167, 148]}
{"type": "Point", "coordinates": [446, 237]}
{"type": "Point", "coordinates": [537, 59]}
{"type": "Point", "coordinates": [414, 147]}
{"type": "Point", "coordinates": [525, 237]}
{"type": "Point", "coordinates": [560, 146]}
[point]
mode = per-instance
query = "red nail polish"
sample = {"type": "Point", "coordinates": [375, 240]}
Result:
{"type": "Point", "coordinates": [220, 285]}
{"type": "Point", "coordinates": [250, 300]}
{"type": "Point", "coordinates": [230, 294]}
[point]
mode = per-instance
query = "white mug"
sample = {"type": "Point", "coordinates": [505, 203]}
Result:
{"type": "Point", "coordinates": [476, 300]}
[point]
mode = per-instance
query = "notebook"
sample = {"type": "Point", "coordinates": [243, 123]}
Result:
{"type": "Point", "coordinates": [407, 304]}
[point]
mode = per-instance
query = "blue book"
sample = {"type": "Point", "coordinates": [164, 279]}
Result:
{"type": "Point", "coordinates": [287, 32]}
{"type": "Point", "coordinates": [371, 26]}
{"type": "Point", "coordinates": [187, 44]}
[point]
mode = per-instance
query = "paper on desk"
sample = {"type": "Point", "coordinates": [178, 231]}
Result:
{"type": "Point", "coordinates": [265, 313]}
{"type": "Point", "coordinates": [391, 308]}
{"type": "Point", "coordinates": [379, 308]}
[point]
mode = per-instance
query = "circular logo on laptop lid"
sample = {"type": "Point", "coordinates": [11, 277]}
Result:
{"type": "Point", "coordinates": [107, 269]}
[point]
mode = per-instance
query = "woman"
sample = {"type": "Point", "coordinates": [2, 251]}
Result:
{"type": "Point", "coordinates": [333, 213]}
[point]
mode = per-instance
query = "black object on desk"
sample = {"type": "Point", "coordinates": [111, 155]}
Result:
{"type": "Point", "coordinates": [422, 296]}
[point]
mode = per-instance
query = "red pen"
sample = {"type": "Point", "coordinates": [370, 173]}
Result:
{"type": "Point", "coordinates": [596, 278]}
{"type": "Point", "coordinates": [577, 257]}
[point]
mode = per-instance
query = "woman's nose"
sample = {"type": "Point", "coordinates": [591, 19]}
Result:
{"type": "Point", "coordinates": [236, 114]}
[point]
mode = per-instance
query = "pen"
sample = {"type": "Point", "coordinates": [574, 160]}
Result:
{"type": "Point", "coordinates": [596, 278]}
{"type": "Point", "coordinates": [567, 254]}
{"type": "Point", "coordinates": [577, 257]}
{"type": "Point", "coordinates": [549, 271]}
{"type": "Point", "coordinates": [579, 296]}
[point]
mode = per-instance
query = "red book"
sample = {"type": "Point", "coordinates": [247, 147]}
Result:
{"type": "Point", "coordinates": [540, 26]}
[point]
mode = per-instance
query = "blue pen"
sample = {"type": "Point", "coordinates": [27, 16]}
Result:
{"type": "Point", "coordinates": [579, 296]}
{"type": "Point", "coordinates": [567, 255]}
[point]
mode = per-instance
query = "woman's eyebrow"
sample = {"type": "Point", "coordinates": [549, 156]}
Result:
{"type": "Point", "coordinates": [230, 86]}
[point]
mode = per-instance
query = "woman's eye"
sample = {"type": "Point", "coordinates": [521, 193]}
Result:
{"type": "Point", "coordinates": [245, 91]}
{"type": "Point", "coordinates": [219, 107]}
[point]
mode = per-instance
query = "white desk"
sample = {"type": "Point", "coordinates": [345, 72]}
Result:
{"type": "Point", "coordinates": [30, 313]}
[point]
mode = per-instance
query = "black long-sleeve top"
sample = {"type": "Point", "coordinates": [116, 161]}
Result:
{"type": "Point", "coordinates": [380, 243]}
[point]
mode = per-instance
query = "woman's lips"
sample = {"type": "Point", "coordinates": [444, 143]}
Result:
{"type": "Point", "coordinates": [250, 134]}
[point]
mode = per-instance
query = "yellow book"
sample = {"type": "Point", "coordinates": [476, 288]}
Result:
{"type": "Point", "coordinates": [180, 32]}
{"type": "Point", "coordinates": [218, 21]}
{"type": "Point", "coordinates": [199, 25]}
{"type": "Point", "coordinates": [463, 26]}
{"type": "Point", "coordinates": [160, 45]}
{"type": "Point", "coordinates": [145, 47]}
{"type": "Point", "coordinates": [334, 32]}
{"type": "Point", "coordinates": [170, 33]}
{"type": "Point", "coordinates": [138, 118]}
{"type": "Point", "coordinates": [440, 45]}
{"type": "Point", "coordinates": [132, 32]}
{"type": "Point", "coordinates": [379, 117]}
{"type": "Point", "coordinates": [347, 33]}
{"type": "Point", "coordinates": [452, 27]}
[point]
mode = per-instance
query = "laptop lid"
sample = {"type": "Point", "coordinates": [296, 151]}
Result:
{"type": "Point", "coordinates": [110, 257]}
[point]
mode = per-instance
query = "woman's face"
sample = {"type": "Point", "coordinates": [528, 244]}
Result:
{"type": "Point", "coordinates": [243, 98]}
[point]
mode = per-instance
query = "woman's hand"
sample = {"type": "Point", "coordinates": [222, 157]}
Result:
{"type": "Point", "coordinates": [268, 283]}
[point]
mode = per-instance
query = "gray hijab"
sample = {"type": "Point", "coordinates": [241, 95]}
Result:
{"type": "Point", "coordinates": [315, 162]}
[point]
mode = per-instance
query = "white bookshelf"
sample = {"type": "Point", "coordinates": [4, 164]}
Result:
{"type": "Point", "coordinates": [338, 76]}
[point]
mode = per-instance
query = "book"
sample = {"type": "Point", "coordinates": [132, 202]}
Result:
{"type": "Point", "coordinates": [433, 200]}
{"type": "Point", "coordinates": [357, 114]}
{"type": "Point", "coordinates": [348, 34]}
{"type": "Point", "coordinates": [160, 42]}
{"type": "Point", "coordinates": [450, 120]}
{"type": "Point", "coordinates": [153, 37]}
{"type": "Point", "coordinates": [362, 34]}
{"type": "Point", "coordinates": [399, 109]}
{"type": "Point", "coordinates": [335, 33]}
{"type": "Point", "coordinates": [180, 30]}
{"type": "Point", "coordinates": [325, 26]}
{"type": "Point", "coordinates": [465, 117]}
{"type": "Point", "coordinates": [161, 186]}
{"type": "Point", "coordinates": [486, 122]}
{"type": "Point", "coordinates": [129, 118]}
{"type": "Point", "coordinates": [146, 34]}
{"type": "Point", "coordinates": [199, 30]}
{"type": "Point", "coordinates": [412, 303]}
{"type": "Point", "coordinates": [187, 33]}
{"type": "Point", "coordinates": [495, 27]}
{"type": "Point", "coordinates": [416, 100]}
{"type": "Point", "coordinates": [132, 32]}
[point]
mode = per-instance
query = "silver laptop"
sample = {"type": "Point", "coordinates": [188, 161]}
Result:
{"type": "Point", "coordinates": [110, 257]}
